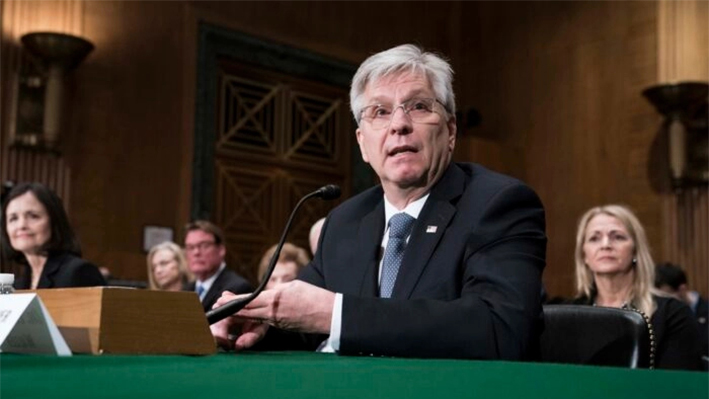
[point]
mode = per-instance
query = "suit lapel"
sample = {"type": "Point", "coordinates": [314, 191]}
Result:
{"type": "Point", "coordinates": [51, 267]}
{"type": "Point", "coordinates": [215, 291]}
{"type": "Point", "coordinates": [428, 230]}
{"type": "Point", "coordinates": [370, 238]}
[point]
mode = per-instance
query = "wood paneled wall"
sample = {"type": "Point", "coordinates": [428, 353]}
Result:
{"type": "Point", "coordinates": [19, 18]}
{"type": "Point", "coordinates": [683, 55]}
{"type": "Point", "coordinates": [686, 218]}
{"type": "Point", "coordinates": [558, 85]}
{"type": "Point", "coordinates": [132, 122]}
{"type": "Point", "coordinates": [683, 40]}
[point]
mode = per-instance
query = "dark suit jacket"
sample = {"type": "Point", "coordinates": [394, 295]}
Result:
{"type": "Point", "coordinates": [471, 289]}
{"type": "Point", "coordinates": [701, 312]}
{"type": "Point", "coordinates": [227, 280]}
{"type": "Point", "coordinates": [63, 271]}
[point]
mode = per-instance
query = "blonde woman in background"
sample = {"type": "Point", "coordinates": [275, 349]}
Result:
{"type": "Point", "coordinates": [614, 268]}
{"type": "Point", "coordinates": [291, 261]}
{"type": "Point", "coordinates": [167, 267]}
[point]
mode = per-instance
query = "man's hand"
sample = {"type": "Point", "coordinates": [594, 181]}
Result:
{"type": "Point", "coordinates": [233, 332]}
{"type": "Point", "coordinates": [294, 306]}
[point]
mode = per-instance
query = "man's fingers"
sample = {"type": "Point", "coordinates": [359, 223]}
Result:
{"type": "Point", "coordinates": [222, 337]}
{"type": "Point", "coordinates": [261, 301]}
{"type": "Point", "coordinates": [227, 297]}
{"type": "Point", "coordinates": [246, 341]}
{"type": "Point", "coordinates": [252, 334]}
{"type": "Point", "coordinates": [295, 305]}
{"type": "Point", "coordinates": [259, 309]}
{"type": "Point", "coordinates": [257, 313]}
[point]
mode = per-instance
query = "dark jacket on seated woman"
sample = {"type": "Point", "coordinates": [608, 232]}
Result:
{"type": "Point", "coordinates": [676, 334]}
{"type": "Point", "coordinates": [63, 270]}
{"type": "Point", "coordinates": [38, 242]}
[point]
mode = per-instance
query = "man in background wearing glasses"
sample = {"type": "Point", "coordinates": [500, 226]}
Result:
{"type": "Point", "coordinates": [441, 260]}
{"type": "Point", "coordinates": [205, 252]}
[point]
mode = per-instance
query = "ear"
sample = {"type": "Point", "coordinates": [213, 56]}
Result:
{"type": "Point", "coordinates": [222, 250]}
{"type": "Point", "coordinates": [452, 133]}
{"type": "Point", "coordinates": [362, 146]}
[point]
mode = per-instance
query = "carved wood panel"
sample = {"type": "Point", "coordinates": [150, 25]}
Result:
{"type": "Point", "coordinates": [278, 138]}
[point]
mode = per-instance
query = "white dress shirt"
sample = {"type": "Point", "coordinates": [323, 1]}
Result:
{"type": "Point", "coordinates": [332, 344]}
{"type": "Point", "coordinates": [207, 284]}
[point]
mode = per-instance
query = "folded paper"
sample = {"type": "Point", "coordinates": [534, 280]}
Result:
{"type": "Point", "coordinates": [27, 327]}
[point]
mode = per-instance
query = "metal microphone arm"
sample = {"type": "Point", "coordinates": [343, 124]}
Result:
{"type": "Point", "coordinates": [328, 192]}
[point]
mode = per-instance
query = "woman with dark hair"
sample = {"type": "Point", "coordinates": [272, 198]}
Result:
{"type": "Point", "coordinates": [37, 238]}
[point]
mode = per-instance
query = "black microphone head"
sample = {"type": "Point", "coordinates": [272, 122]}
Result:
{"type": "Point", "coordinates": [329, 192]}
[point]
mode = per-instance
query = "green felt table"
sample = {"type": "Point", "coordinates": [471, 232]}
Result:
{"type": "Point", "coordinates": [316, 375]}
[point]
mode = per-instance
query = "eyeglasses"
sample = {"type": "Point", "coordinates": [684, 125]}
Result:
{"type": "Point", "coordinates": [202, 246]}
{"type": "Point", "coordinates": [420, 110]}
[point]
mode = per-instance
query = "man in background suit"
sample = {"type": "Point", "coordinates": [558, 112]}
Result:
{"type": "Point", "coordinates": [467, 282]}
{"type": "Point", "coordinates": [205, 252]}
{"type": "Point", "coordinates": [671, 279]}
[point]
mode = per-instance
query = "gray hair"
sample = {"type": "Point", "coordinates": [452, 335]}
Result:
{"type": "Point", "coordinates": [404, 58]}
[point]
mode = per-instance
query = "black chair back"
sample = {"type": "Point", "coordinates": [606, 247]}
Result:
{"type": "Point", "coordinates": [582, 334]}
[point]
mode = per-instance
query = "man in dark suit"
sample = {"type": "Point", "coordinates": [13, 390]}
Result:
{"type": "Point", "coordinates": [441, 260]}
{"type": "Point", "coordinates": [671, 279]}
{"type": "Point", "coordinates": [205, 251]}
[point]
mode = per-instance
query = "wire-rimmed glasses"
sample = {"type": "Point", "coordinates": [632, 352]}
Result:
{"type": "Point", "coordinates": [420, 110]}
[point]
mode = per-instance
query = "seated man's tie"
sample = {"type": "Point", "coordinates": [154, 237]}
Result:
{"type": "Point", "coordinates": [399, 229]}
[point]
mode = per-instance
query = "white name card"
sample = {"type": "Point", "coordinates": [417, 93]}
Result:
{"type": "Point", "coordinates": [27, 327]}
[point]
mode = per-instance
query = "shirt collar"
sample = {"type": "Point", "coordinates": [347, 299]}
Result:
{"type": "Point", "coordinates": [413, 209]}
{"type": "Point", "coordinates": [207, 284]}
{"type": "Point", "coordinates": [694, 300]}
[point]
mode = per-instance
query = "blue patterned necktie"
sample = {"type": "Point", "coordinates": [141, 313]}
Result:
{"type": "Point", "coordinates": [200, 290]}
{"type": "Point", "coordinates": [399, 228]}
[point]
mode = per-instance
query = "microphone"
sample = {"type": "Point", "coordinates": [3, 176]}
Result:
{"type": "Point", "coordinates": [327, 193]}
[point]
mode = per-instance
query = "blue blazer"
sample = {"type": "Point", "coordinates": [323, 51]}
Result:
{"type": "Point", "coordinates": [470, 281]}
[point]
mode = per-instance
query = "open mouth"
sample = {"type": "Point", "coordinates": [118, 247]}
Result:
{"type": "Point", "coordinates": [404, 149]}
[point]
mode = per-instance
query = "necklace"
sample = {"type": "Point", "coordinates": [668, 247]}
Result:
{"type": "Point", "coordinates": [650, 330]}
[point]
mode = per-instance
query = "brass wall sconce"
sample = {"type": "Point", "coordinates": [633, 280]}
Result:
{"type": "Point", "coordinates": [41, 91]}
{"type": "Point", "coordinates": [685, 108]}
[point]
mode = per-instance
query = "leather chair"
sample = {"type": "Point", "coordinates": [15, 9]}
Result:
{"type": "Point", "coordinates": [581, 334]}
